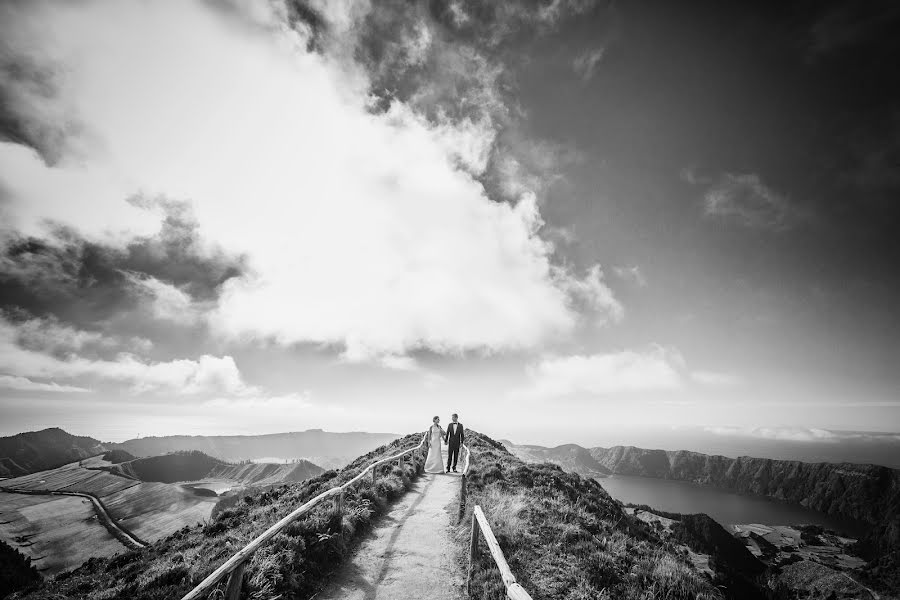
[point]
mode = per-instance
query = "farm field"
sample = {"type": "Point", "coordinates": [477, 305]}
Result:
{"type": "Point", "coordinates": [61, 532]}
{"type": "Point", "coordinates": [153, 511]}
{"type": "Point", "coordinates": [57, 532]}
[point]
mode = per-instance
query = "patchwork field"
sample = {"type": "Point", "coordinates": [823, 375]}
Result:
{"type": "Point", "coordinates": [154, 510]}
{"type": "Point", "coordinates": [61, 532]}
{"type": "Point", "coordinates": [57, 532]}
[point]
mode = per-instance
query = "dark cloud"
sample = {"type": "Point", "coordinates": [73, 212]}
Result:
{"type": "Point", "coordinates": [458, 61]}
{"type": "Point", "coordinates": [83, 282]}
{"type": "Point", "coordinates": [26, 84]}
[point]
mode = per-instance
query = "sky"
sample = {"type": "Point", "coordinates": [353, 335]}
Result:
{"type": "Point", "coordinates": [563, 220]}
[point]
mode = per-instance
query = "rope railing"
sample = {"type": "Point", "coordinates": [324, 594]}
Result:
{"type": "Point", "coordinates": [514, 591]}
{"type": "Point", "coordinates": [234, 566]}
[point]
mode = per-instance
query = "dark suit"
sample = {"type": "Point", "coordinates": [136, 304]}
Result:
{"type": "Point", "coordinates": [454, 440]}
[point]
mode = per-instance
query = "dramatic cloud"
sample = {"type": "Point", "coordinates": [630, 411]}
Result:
{"type": "Point", "coordinates": [380, 245]}
{"type": "Point", "coordinates": [208, 374]}
{"type": "Point", "coordinates": [166, 301]}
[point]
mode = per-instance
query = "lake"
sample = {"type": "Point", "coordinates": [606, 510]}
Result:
{"type": "Point", "coordinates": [725, 507]}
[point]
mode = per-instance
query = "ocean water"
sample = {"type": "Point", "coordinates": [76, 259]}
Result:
{"type": "Point", "coordinates": [725, 507]}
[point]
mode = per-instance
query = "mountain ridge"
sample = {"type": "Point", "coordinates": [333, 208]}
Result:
{"type": "Point", "coordinates": [49, 448]}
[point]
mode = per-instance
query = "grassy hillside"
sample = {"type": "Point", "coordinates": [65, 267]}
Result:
{"type": "Point", "coordinates": [571, 457]}
{"type": "Point", "coordinates": [195, 466]}
{"type": "Point", "coordinates": [267, 473]}
{"type": "Point", "coordinates": [46, 449]}
{"type": "Point", "coordinates": [565, 538]}
{"type": "Point", "coordinates": [168, 468]}
{"type": "Point", "coordinates": [295, 564]}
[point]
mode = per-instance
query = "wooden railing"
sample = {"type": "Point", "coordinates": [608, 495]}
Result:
{"type": "Point", "coordinates": [462, 485]}
{"type": "Point", "coordinates": [234, 566]}
{"type": "Point", "coordinates": [514, 591]}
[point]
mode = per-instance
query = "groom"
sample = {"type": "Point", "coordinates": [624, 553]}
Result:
{"type": "Point", "coordinates": [454, 440]}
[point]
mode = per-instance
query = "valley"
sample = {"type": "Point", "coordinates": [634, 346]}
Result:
{"type": "Point", "coordinates": [57, 533]}
{"type": "Point", "coordinates": [95, 499]}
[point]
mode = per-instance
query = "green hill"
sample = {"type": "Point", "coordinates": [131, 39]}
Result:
{"type": "Point", "coordinates": [46, 449]}
{"type": "Point", "coordinates": [195, 465]}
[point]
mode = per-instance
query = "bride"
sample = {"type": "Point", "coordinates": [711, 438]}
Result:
{"type": "Point", "coordinates": [435, 462]}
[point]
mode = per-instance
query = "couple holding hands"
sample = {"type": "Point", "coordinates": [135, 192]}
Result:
{"type": "Point", "coordinates": [453, 437]}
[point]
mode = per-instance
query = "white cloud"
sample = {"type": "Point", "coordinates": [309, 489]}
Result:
{"type": "Point", "coordinates": [593, 293]}
{"type": "Point", "coordinates": [658, 369]}
{"type": "Point", "coordinates": [208, 374]}
{"type": "Point", "coordinates": [49, 335]}
{"type": "Point", "coordinates": [793, 434]}
{"type": "Point", "coordinates": [14, 382]}
{"type": "Point", "coordinates": [631, 274]}
{"type": "Point", "coordinates": [359, 228]}
{"type": "Point", "coordinates": [803, 434]}
{"type": "Point", "coordinates": [585, 64]}
{"type": "Point", "coordinates": [627, 371]}
{"type": "Point", "coordinates": [166, 301]}
{"type": "Point", "coordinates": [400, 363]}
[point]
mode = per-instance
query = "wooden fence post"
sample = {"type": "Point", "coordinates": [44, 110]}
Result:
{"type": "Point", "coordinates": [473, 551]}
{"type": "Point", "coordinates": [374, 474]}
{"type": "Point", "coordinates": [462, 497]}
{"type": "Point", "coordinates": [235, 581]}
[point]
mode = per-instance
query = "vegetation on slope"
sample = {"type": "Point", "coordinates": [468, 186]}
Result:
{"type": "Point", "coordinates": [565, 538]}
{"type": "Point", "coordinates": [16, 570]}
{"type": "Point", "coordinates": [195, 465]}
{"type": "Point", "coordinates": [117, 455]}
{"type": "Point", "coordinates": [168, 468]}
{"type": "Point", "coordinates": [40, 450]}
{"type": "Point", "coordinates": [296, 563]}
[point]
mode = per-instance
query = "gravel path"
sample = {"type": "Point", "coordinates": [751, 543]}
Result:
{"type": "Point", "coordinates": [409, 553]}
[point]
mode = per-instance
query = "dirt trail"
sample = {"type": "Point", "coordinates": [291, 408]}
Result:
{"type": "Point", "coordinates": [409, 553]}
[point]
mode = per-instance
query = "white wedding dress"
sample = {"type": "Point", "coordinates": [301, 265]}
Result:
{"type": "Point", "coordinates": [435, 461]}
